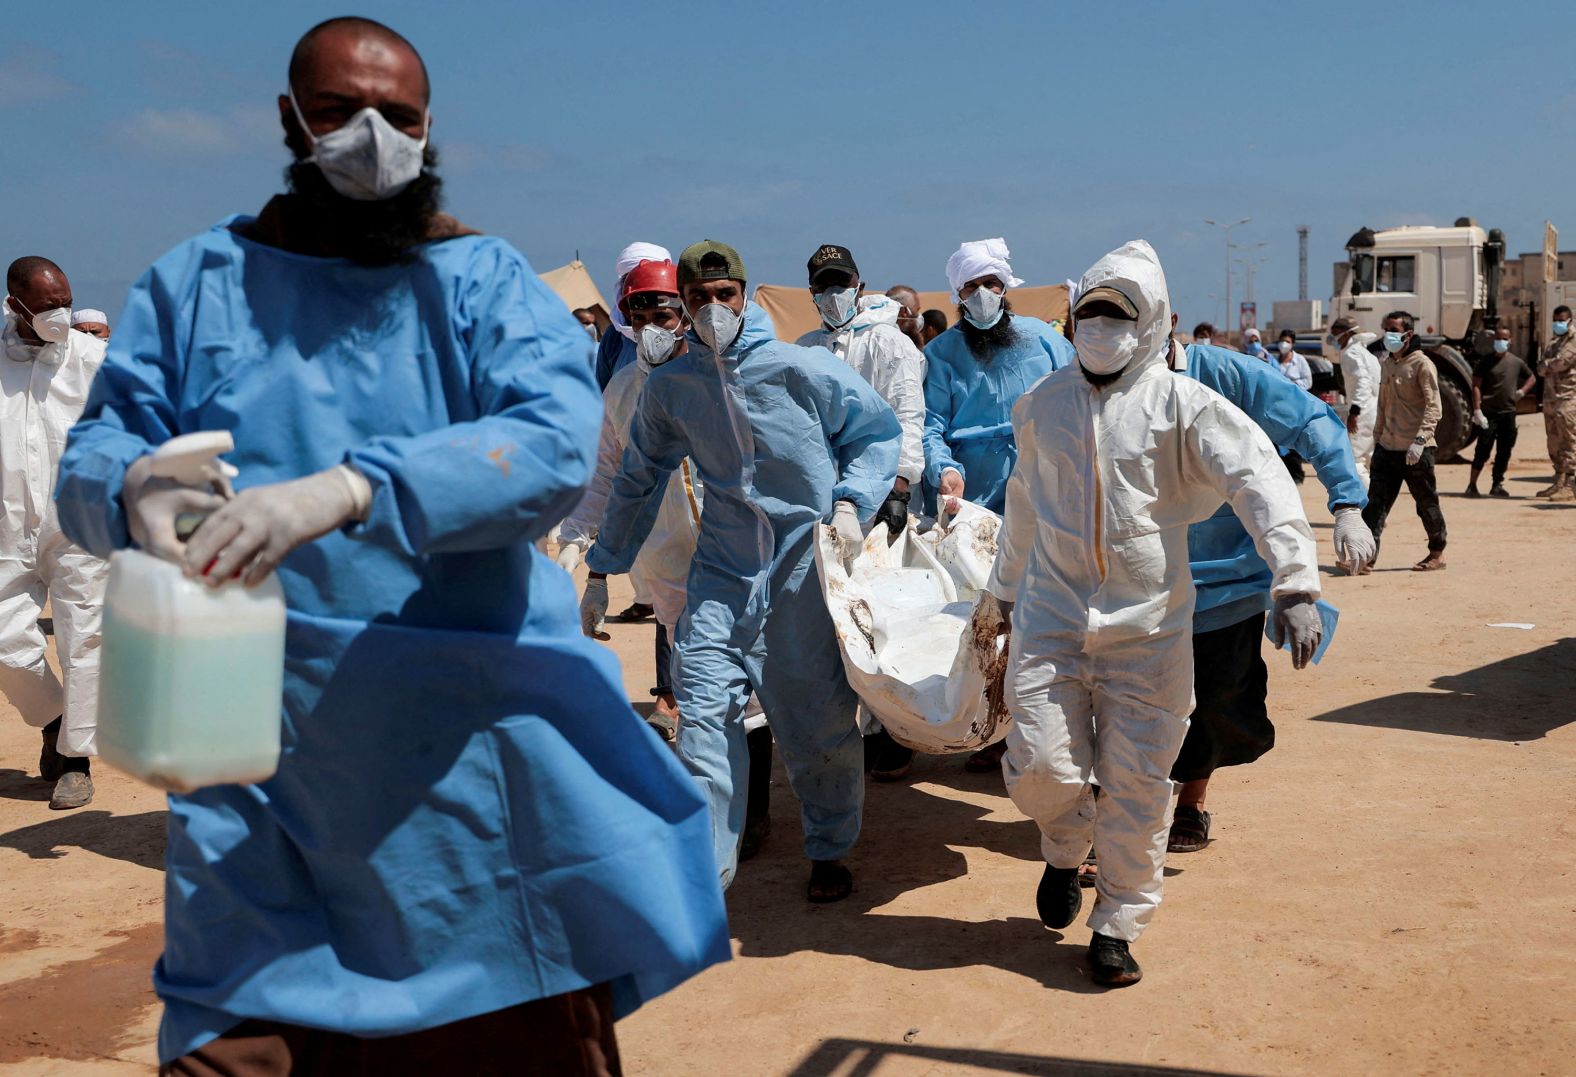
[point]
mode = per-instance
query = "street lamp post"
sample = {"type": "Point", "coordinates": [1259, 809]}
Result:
{"type": "Point", "coordinates": [1226, 228]}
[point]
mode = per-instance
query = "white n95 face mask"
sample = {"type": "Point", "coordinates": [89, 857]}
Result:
{"type": "Point", "coordinates": [837, 306]}
{"type": "Point", "coordinates": [983, 308]}
{"type": "Point", "coordinates": [718, 326]}
{"type": "Point", "coordinates": [655, 345]}
{"type": "Point", "coordinates": [367, 159]}
{"type": "Point", "coordinates": [1105, 345]}
{"type": "Point", "coordinates": [53, 325]}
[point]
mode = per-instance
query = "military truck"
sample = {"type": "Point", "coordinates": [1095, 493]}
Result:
{"type": "Point", "coordinates": [1448, 279]}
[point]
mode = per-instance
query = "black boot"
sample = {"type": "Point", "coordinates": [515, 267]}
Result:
{"type": "Point", "coordinates": [51, 764]}
{"type": "Point", "coordinates": [892, 761]}
{"type": "Point", "coordinates": [1059, 897]}
{"type": "Point", "coordinates": [1110, 962]}
{"type": "Point", "coordinates": [758, 797]}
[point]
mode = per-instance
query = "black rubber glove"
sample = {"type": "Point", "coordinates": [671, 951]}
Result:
{"type": "Point", "coordinates": [894, 513]}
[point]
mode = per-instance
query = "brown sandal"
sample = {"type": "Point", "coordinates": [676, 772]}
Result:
{"type": "Point", "coordinates": [1431, 563]}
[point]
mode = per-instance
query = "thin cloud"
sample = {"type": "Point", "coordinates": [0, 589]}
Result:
{"type": "Point", "coordinates": [190, 132]}
{"type": "Point", "coordinates": [30, 75]}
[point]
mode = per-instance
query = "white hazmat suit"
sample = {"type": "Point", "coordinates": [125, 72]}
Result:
{"type": "Point", "coordinates": [42, 393]}
{"type": "Point", "coordinates": [1093, 550]}
{"type": "Point", "coordinates": [661, 569]}
{"type": "Point", "coordinates": [880, 353]}
{"type": "Point", "coordinates": [1360, 372]}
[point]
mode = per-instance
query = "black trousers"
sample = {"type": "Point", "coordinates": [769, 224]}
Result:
{"type": "Point", "coordinates": [1385, 476]}
{"type": "Point", "coordinates": [1501, 432]}
{"type": "Point", "coordinates": [664, 662]}
{"type": "Point", "coordinates": [1230, 724]}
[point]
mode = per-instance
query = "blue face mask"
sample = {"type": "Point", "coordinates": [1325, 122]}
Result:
{"type": "Point", "coordinates": [1394, 342]}
{"type": "Point", "coordinates": [1502, 346]}
{"type": "Point", "coordinates": [1561, 328]}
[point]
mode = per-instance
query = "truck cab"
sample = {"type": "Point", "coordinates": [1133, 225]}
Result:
{"type": "Point", "coordinates": [1447, 278]}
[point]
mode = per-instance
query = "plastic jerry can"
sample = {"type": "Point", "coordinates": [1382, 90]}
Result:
{"type": "Point", "coordinates": [191, 679]}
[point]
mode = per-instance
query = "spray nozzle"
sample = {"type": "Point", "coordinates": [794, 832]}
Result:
{"type": "Point", "coordinates": [193, 460]}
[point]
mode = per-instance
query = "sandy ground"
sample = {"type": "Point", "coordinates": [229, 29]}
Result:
{"type": "Point", "coordinates": [1390, 891]}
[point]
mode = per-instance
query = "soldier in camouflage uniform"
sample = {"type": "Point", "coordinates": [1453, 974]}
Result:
{"type": "Point", "coordinates": [1557, 366]}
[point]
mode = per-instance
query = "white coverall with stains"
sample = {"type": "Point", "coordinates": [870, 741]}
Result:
{"type": "Point", "coordinates": [1093, 551]}
{"type": "Point", "coordinates": [42, 392]}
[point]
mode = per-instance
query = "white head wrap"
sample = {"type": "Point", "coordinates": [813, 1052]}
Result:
{"type": "Point", "coordinates": [979, 258]}
{"type": "Point", "coordinates": [88, 314]}
{"type": "Point", "coordinates": [628, 258]}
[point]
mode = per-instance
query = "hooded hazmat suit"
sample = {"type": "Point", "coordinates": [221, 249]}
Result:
{"type": "Point", "coordinates": [777, 433]}
{"type": "Point", "coordinates": [661, 567]}
{"type": "Point", "coordinates": [467, 814]}
{"type": "Point", "coordinates": [1360, 373]}
{"type": "Point", "coordinates": [883, 355]}
{"type": "Point", "coordinates": [1093, 550]}
{"type": "Point", "coordinates": [968, 404]}
{"type": "Point", "coordinates": [42, 392]}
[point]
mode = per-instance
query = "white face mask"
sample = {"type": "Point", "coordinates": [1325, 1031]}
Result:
{"type": "Point", "coordinates": [1204, 340]}
{"type": "Point", "coordinates": [367, 159]}
{"type": "Point", "coordinates": [983, 308]}
{"type": "Point", "coordinates": [655, 345]}
{"type": "Point", "coordinates": [718, 326]}
{"type": "Point", "coordinates": [838, 306]}
{"type": "Point", "coordinates": [1105, 345]}
{"type": "Point", "coordinates": [53, 325]}
{"type": "Point", "coordinates": [1285, 347]}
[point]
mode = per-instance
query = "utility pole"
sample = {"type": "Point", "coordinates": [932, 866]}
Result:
{"type": "Point", "coordinates": [1227, 229]}
{"type": "Point", "coordinates": [1302, 261]}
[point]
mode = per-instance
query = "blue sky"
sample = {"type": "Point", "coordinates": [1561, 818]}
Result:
{"type": "Point", "coordinates": [897, 130]}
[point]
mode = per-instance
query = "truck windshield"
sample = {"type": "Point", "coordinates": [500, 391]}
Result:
{"type": "Point", "coordinates": [1398, 274]}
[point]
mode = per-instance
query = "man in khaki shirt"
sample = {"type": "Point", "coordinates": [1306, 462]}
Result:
{"type": "Point", "coordinates": [1558, 369]}
{"type": "Point", "coordinates": [1404, 425]}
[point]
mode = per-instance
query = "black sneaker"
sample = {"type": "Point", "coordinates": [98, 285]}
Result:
{"type": "Point", "coordinates": [1110, 962]}
{"type": "Point", "coordinates": [1498, 490]}
{"type": "Point", "coordinates": [1471, 491]}
{"type": "Point", "coordinates": [1059, 897]}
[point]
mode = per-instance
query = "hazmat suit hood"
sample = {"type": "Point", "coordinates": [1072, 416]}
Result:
{"type": "Point", "coordinates": [876, 310]}
{"type": "Point", "coordinates": [1134, 270]}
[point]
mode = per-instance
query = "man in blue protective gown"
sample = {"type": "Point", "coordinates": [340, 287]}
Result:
{"type": "Point", "coordinates": [976, 371]}
{"type": "Point", "coordinates": [473, 849]}
{"type": "Point", "coordinates": [783, 438]}
{"type": "Point", "coordinates": [1230, 723]}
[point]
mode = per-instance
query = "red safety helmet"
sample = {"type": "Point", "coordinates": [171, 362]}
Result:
{"type": "Point", "coordinates": [660, 278]}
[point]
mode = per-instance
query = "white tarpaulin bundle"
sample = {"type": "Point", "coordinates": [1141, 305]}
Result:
{"type": "Point", "coordinates": [918, 631]}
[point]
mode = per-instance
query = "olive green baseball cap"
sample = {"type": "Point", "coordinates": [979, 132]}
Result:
{"type": "Point", "coordinates": [710, 260]}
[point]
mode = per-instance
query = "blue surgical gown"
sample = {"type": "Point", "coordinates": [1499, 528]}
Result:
{"type": "Point", "coordinates": [1232, 580]}
{"type": "Point", "coordinates": [777, 433]}
{"type": "Point", "coordinates": [614, 352]}
{"type": "Point", "coordinates": [467, 813]}
{"type": "Point", "coordinates": [968, 405]}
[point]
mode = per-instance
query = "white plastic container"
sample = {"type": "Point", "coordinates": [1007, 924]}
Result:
{"type": "Point", "coordinates": [191, 679]}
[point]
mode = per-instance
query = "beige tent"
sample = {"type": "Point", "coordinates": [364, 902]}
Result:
{"type": "Point", "coordinates": [793, 313]}
{"type": "Point", "coordinates": [575, 287]}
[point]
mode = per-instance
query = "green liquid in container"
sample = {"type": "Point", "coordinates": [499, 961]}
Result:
{"type": "Point", "coordinates": [191, 680]}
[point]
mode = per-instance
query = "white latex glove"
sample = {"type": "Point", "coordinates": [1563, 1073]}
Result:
{"type": "Point", "coordinates": [846, 530]}
{"type": "Point", "coordinates": [1297, 618]}
{"type": "Point", "coordinates": [1480, 420]}
{"type": "Point", "coordinates": [152, 505]}
{"type": "Point", "coordinates": [1354, 542]}
{"type": "Point", "coordinates": [1414, 453]}
{"type": "Point", "coordinates": [249, 535]}
{"type": "Point", "coordinates": [951, 483]}
{"type": "Point", "coordinates": [593, 606]}
{"type": "Point", "coordinates": [1519, 394]}
{"type": "Point", "coordinates": [569, 557]}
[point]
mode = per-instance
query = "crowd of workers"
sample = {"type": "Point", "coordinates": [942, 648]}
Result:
{"type": "Point", "coordinates": [472, 843]}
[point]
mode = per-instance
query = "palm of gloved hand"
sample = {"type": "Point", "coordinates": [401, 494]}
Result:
{"type": "Point", "coordinates": [1355, 545]}
{"type": "Point", "coordinates": [249, 535]}
{"type": "Point", "coordinates": [1414, 454]}
{"type": "Point", "coordinates": [1480, 420]}
{"type": "Point", "coordinates": [847, 532]}
{"type": "Point", "coordinates": [593, 607]}
{"type": "Point", "coordinates": [1297, 618]}
{"type": "Point", "coordinates": [569, 557]}
{"type": "Point", "coordinates": [153, 504]}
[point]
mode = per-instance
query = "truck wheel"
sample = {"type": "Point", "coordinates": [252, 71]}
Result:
{"type": "Point", "coordinates": [1455, 430]}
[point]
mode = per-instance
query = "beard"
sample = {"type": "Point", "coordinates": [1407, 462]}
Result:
{"type": "Point", "coordinates": [985, 343]}
{"type": "Point", "coordinates": [368, 233]}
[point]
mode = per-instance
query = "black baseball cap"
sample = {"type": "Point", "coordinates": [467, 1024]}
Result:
{"type": "Point", "coordinates": [831, 256]}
